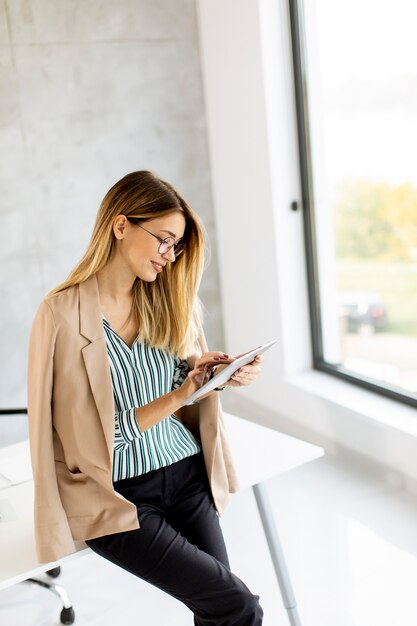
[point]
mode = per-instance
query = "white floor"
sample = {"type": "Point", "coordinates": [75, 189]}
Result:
{"type": "Point", "coordinates": [350, 541]}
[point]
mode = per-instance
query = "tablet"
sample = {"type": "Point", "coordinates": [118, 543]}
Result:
{"type": "Point", "coordinates": [222, 377]}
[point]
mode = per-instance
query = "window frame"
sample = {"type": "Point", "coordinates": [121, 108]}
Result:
{"type": "Point", "coordinates": [299, 65]}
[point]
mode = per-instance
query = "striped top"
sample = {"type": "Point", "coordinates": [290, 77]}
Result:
{"type": "Point", "coordinates": [139, 375]}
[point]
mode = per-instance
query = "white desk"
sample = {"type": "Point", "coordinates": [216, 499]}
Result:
{"type": "Point", "coordinates": [17, 538]}
{"type": "Point", "coordinates": [277, 453]}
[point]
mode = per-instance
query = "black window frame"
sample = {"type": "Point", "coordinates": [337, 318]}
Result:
{"type": "Point", "coordinates": [299, 58]}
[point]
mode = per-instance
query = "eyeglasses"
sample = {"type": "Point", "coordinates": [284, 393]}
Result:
{"type": "Point", "coordinates": [165, 244]}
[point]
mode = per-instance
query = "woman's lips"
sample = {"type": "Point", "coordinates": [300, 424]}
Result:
{"type": "Point", "coordinates": [157, 267]}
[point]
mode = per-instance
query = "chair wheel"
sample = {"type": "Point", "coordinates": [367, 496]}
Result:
{"type": "Point", "coordinates": [67, 616]}
{"type": "Point", "coordinates": [54, 572]}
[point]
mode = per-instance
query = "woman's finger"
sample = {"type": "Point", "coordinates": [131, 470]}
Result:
{"type": "Point", "coordinates": [211, 361]}
{"type": "Point", "coordinates": [249, 370]}
{"type": "Point", "coordinates": [247, 374]}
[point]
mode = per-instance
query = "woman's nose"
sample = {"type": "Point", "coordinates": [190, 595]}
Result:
{"type": "Point", "coordinates": [170, 254]}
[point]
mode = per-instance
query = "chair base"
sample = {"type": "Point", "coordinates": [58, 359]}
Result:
{"type": "Point", "coordinates": [67, 615]}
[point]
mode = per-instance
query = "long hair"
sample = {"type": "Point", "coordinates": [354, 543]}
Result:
{"type": "Point", "coordinates": [168, 311]}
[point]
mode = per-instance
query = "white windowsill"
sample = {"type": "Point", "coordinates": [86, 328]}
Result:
{"type": "Point", "coordinates": [365, 404]}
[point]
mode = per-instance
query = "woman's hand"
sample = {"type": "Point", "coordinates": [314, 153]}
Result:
{"type": "Point", "coordinates": [246, 374]}
{"type": "Point", "coordinates": [203, 367]}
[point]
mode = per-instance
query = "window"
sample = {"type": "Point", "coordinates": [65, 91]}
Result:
{"type": "Point", "coordinates": [355, 68]}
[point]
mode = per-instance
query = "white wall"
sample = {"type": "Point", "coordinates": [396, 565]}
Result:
{"type": "Point", "coordinates": [92, 91]}
{"type": "Point", "coordinates": [246, 56]}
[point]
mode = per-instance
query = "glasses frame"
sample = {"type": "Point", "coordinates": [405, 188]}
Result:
{"type": "Point", "coordinates": [174, 245]}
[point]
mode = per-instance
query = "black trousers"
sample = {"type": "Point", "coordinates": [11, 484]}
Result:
{"type": "Point", "coordinates": [179, 546]}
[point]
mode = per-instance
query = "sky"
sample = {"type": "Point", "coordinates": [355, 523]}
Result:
{"type": "Point", "coordinates": [362, 69]}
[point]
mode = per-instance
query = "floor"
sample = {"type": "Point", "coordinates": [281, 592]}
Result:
{"type": "Point", "coordinates": [350, 540]}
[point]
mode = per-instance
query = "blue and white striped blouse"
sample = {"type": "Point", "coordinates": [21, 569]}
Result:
{"type": "Point", "coordinates": [139, 375]}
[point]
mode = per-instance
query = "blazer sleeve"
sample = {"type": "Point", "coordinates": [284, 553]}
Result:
{"type": "Point", "coordinates": [52, 532]}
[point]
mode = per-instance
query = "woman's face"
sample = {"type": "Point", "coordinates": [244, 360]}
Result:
{"type": "Point", "coordinates": [139, 248]}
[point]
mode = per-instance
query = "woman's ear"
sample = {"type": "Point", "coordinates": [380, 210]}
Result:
{"type": "Point", "coordinates": [119, 226]}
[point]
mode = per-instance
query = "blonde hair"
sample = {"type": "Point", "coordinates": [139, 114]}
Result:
{"type": "Point", "coordinates": [168, 311]}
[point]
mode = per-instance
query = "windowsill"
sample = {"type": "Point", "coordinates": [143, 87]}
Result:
{"type": "Point", "coordinates": [362, 402]}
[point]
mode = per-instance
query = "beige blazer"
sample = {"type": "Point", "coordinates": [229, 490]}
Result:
{"type": "Point", "coordinates": [71, 427]}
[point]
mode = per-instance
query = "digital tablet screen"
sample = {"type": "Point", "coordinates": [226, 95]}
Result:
{"type": "Point", "coordinates": [222, 377]}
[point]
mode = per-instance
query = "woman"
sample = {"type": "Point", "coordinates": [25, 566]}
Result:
{"type": "Point", "coordinates": [118, 461]}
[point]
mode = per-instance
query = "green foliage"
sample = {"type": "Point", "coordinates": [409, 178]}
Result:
{"type": "Point", "coordinates": [375, 221]}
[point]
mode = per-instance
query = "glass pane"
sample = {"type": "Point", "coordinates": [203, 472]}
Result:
{"type": "Point", "coordinates": [362, 90]}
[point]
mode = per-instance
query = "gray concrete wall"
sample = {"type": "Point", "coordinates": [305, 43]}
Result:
{"type": "Point", "coordinates": [91, 91]}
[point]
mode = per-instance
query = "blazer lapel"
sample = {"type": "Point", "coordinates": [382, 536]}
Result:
{"type": "Point", "coordinates": [96, 357]}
